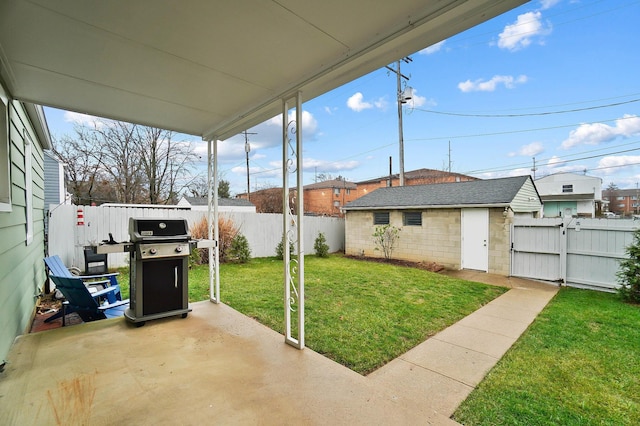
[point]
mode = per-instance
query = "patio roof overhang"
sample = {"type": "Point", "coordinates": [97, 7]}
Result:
{"type": "Point", "coordinates": [216, 68]}
{"type": "Point", "coordinates": [211, 68]}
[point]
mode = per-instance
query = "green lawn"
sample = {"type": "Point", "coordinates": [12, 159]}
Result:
{"type": "Point", "coordinates": [358, 313]}
{"type": "Point", "coordinates": [578, 364]}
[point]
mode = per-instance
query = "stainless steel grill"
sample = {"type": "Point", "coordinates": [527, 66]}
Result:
{"type": "Point", "coordinates": [159, 261]}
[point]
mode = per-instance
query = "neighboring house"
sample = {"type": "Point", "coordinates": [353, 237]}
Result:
{"type": "Point", "coordinates": [224, 204]}
{"type": "Point", "coordinates": [624, 202]}
{"type": "Point", "coordinates": [55, 187]}
{"type": "Point", "coordinates": [269, 200]}
{"type": "Point", "coordinates": [326, 198]}
{"type": "Point", "coordinates": [464, 225]}
{"type": "Point", "coordinates": [23, 137]}
{"type": "Point", "coordinates": [570, 194]}
{"type": "Point", "coordinates": [414, 177]}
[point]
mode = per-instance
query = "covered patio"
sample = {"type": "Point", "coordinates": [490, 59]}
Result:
{"type": "Point", "coordinates": [211, 69]}
{"type": "Point", "coordinates": [221, 367]}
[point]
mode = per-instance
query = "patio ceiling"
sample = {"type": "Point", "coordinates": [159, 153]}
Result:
{"type": "Point", "coordinates": [211, 68]}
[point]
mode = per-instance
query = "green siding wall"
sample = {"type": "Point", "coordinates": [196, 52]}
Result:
{"type": "Point", "coordinates": [21, 267]}
{"type": "Point", "coordinates": [557, 208]}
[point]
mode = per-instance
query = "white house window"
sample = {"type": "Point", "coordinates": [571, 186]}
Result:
{"type": "Point", "coordinates": [348, 191]}
{"type": "Point", "coordinates": [336, 203]}
{"type": "Point", "coordinates": [412, 218]}
{"type": "Point", "coordinates": [336, 191]}
{"type": "Point", "coordinates": [28, 185]}
{"type": "Point", "coordinates": [567, 188]}
{"type": "Point", "coordinates": [5, 161]}
{"type": "Point", "coordinates": [381, 218]}
{"type": "Point", "coordinates": [619, 198]}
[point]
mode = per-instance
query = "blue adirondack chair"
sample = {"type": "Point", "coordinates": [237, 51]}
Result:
{"type": "Point", "coordinates": [56, 267]}
{"type": "Point", "coordinates": [89, 306]}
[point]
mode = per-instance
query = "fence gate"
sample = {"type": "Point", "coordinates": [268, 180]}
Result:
{"type": "Point", "coordinates": [537, 248]}
{"type": "Point", "coordinates": [577, 252]}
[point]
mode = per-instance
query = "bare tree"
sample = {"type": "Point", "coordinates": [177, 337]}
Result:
{"type": "Point", "coordinates": [139, 164]}
{"type": "Point", "coordinates": [82, 168]}
{"type": "Point", "coordinates": [164, 161]}
{"type": "Point", "coordinates": [121, 158]}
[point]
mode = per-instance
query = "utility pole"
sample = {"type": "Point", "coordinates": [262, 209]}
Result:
{"type": "Point", "coordinates": [247, 150]}
{"type": "Point", "coordinates": [534, 168]}
{"type": "Point", "coordinates": [402, 98]}
{"type": "Point", "coordinates": [449, 156]}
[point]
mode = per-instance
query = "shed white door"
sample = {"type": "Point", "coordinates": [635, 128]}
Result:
{"type": "Point", "coordinates": [475, 239]}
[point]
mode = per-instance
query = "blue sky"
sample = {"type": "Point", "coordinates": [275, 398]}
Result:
{"type": "Point", "coordinates": [557, 80]}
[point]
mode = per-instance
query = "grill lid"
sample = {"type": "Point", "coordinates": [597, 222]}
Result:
{"type": "Point", "coordinates": [158, 230]}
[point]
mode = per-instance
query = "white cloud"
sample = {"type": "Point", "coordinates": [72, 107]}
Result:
{"type": "Point", "coordinates": [548, 4]}
{"type": "Point", "coordinates": [356, 103]}
{"type": "Point", "coordinates": [312, 164]}
{"type": "Point", "coordinates": [432, 49]}
{"type": "Point", "coordinates": [381, 103]}
{"type": "Point", "coordinates": [330, 110]}
{"type": "Point", "coordinates": [529, 150]}
{"type": "Point", "coordinates": [520, 34]}
{"type": "Point", "coordinates": [479, 85]}
{"type": "Point", "coordinates": [84, 119]}
{"type": "Point", "coordinates": [597, 133]}
{"type": "Point", "coordinates": [611, 164]}
{"type": "Point", "coordinates": [556, 165]}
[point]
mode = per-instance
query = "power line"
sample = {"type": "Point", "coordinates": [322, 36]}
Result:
{"type": "Point", "coordinates": [526, 164]}
{"type": "Point", "coordinates": [518, 131]}
{"type": "Point", "coordinates": [556, 163]}
{"type": "Point", "coordinates": [526, 114]}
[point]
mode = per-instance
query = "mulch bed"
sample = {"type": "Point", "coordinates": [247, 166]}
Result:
{"type": "Point", "coordinates": [427, 266]}
{"type": "Point", "coordinates": [46, 307]}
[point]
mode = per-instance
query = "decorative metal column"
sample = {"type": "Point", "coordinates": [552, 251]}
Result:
{"type": "Point", "coordinates": [292, 214]}
{"type": "Point", "coordinates": [212, 219]}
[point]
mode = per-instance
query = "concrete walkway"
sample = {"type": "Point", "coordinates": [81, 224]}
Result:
{"type": "Point", "coordinates": [221, 367]}
{"type": "Point", "coordinates": [441, 372]}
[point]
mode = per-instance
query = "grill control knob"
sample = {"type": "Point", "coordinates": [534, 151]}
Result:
{"type": "Point", "coordinates": [179, 249]}
{"type": "Point", "coordinates": [153, 250]}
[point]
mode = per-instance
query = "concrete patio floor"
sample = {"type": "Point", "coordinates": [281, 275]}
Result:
{"type": "Point", "coordinates": [220, 367]}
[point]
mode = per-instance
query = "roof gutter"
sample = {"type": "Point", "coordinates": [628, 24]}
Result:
{"type": "Point", "coordinates": [39, 122]}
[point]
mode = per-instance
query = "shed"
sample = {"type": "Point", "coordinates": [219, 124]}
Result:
{"type": "Point", "coordinates": [461, 225]}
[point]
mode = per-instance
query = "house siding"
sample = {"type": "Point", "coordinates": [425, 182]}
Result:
{"type": "Point", "coordinates": [21, 266]}
{"type": "Point", "coordinates": [527, 199]}
{"type": "Point", "coordinates": [53, 181]}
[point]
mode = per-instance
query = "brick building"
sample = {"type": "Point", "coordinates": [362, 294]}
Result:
{"type": "Point", "coordinates": [625, 202]}
{"type": "Point", "coordinates": [327, 198]}
{"type": "Point", "coordinates": [414, 177]}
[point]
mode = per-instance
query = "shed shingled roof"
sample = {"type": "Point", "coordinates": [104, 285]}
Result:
{"type": "Point", "coordinates": [227, 202]}
{"type": "Point", "coordinates": [499, 192]}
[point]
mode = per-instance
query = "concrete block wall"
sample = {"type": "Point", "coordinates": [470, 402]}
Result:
{"type": "Point", "coordinates": [437, 240]}
{"type": "Point", "coordinates": [500, 241]}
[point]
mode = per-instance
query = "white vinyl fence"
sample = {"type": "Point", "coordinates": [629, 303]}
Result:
{"type": "Point", "coordinates": [577, 252]}
{"type": "Point", "coordinates": [263, 231]}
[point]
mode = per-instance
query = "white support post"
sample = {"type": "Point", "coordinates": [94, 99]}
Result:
{"type": "Point", "coordinates": [300, 214]}
{"type": "Point", "coordinates": [293, 225]}
{"type": "Point", "coordinates": [212, 220]}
